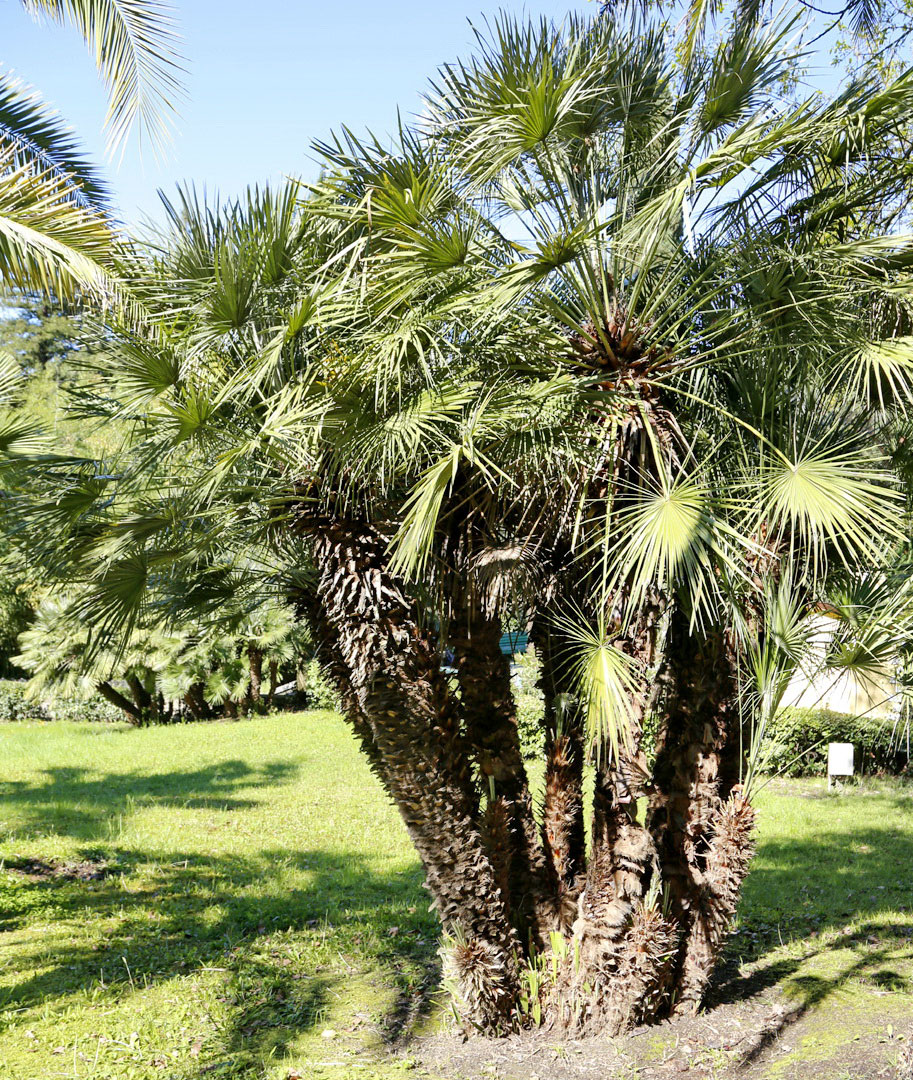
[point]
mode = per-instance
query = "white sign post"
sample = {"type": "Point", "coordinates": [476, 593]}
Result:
{"type": "Point", "coordinates": [839, 760]}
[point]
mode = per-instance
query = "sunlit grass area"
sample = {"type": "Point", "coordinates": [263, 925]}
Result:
{"type": "Point", "coordinates": [240, 900]}
{"type": "Point", "coordinates": [259, 891]}
{"type": "Point", "coordinates": [828, 906]}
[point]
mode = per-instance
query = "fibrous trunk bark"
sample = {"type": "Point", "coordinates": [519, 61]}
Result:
{"type": "Point", "coordinates": [562, 810]}
{"type": "Point", "coordinates": [400, 705]}
{"type": "Point", "coordinates": [273, 682]}
{"type": "Point", "coordinates": [669, 848]}
{"type": "Point", "coordinates": [196, 702]}
{"type": "Point", "coordinates": [508, 824]}
{"type": "Point", "coordinates": [133, 714]}
{"type": "Point", "coordinates": [621, 938]}
{"type": "Point", "coordinates": [255, 664]}
{"type": "Point", "coordinates": [141, 697]}
{"type": "Point", "coordinates": [700, 821]}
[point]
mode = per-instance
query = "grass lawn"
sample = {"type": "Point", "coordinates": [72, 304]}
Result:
{"type": "Point", "coordinates": [240, 900]}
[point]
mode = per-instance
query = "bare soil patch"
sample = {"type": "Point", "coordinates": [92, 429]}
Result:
{"type": "Point", "coordinates": [59, 869]}
{"type": "Point", "coordinates": [767, 1038]}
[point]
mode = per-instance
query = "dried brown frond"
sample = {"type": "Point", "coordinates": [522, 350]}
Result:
{"type": "Point", "coordinates": [504, 575]}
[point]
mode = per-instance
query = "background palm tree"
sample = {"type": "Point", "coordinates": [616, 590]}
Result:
{"type": "Point", "coordinates": [56, 232]}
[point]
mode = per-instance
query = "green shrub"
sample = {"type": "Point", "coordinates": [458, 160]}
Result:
{"type": "Point", "coordinates": [14, 705]}
{"type": "Point", "coordinates": [95, 710]}
{"type": "Point", "coordinates": [316, 689]}
{"type": "Point", "coordinates": [530, 705]}
{"type": "Point", "coordinates": [796, 743]}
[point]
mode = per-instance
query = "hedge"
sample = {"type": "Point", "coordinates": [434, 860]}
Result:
{"type": "Point", "coordinates": [14, 705]}
{"type": "Point", "coordinates": [796, 743]}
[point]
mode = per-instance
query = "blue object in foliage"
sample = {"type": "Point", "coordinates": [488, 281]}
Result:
{"type": "Point", "coordinates": [511, 644]}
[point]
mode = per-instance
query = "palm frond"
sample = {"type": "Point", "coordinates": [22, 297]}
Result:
{"type": "Point", "coordinates": [829, 495]}
{"type": "Point", "coordinates": [49, 240]}
{"type": "Point", "coordinates": [41, 141]}
{"type": "Point", "coordinates": [605, 680]}
{"type": "Point", "coordinates": [134, 46]}
{"type": "Point", "coordinates": [10, 377]}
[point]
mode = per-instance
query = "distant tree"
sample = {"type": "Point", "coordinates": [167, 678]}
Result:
{"type": "Point", "coordinates": [872, 31]}
{"type": "Point", "coordinates": [39, 332]}
{"type": "Point", "coordinates": [196, 669]}
{"type": "Point", "coordinates": [16, 612]}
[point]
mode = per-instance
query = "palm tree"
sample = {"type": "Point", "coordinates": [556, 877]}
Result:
{"type": "Point", "coordinates": [192, 667]}
{"type": "Point", "coordinates": [600, 347]}
{"type": "Point", "coordinates": [56, 231]}
{"type": "Point", "coordinates": [681, 242]}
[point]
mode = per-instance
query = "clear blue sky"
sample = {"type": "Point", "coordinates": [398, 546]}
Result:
{"type": "Point", "coordinates": [266, 78]}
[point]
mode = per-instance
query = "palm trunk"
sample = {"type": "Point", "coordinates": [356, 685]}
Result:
{"type": "Point", "coordinates": [698, 818]}
{"type": "Point", "coordinates": [401, 706]}
{"type": "Point", "coordinates": [255, 663]}
{"type": "Point", "coordinates": [141, 696]}
{"type": "Point", "coordinates": [562, 811]}
{"type": "Point", "coordinates": [273, 682]}
{"type": "Point", "coordinates": [196, 702]}
{"type": "Point", "coordinates": [509, 826]}
{"type": "Point", "coordinates": [622, 940]}
{"type": "Point", "coordinates": [134, 715]}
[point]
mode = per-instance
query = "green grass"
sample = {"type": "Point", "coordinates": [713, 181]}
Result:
{"type": "Point", "coordinates": [828, 906]}
{"type": "Point", "coordinates": [263, 893]}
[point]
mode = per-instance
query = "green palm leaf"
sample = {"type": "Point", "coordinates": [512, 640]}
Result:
{"type": "Point", "coordinates": [134, 46]}
{"type": "Point", "coordinates": [41, 140]}
{"type": "Point", "coordinates": [605, 680]}
{"type": "Point", "coordinates": [49, 239]}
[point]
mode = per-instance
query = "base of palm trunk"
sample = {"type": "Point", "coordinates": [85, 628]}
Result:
{"type": "Point", "coordinates": [614, 977]}
{"type": "Point", "coordinates": [630, 960]}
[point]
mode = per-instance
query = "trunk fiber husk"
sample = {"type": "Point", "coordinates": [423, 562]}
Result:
{"type": "Point", "coordinates": [509, 825]}
{"type": "Point", "coordinates": [399, 703]}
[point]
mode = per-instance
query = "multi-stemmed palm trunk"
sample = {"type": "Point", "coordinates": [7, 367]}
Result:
{"type": "Point", "coordinates": [624, 947]}
{"type": "Point", "coordinates": [596, 401]}
{"type": "Point", "coordinates": [602, 939]}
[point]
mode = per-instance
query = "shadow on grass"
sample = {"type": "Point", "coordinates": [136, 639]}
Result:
{"type": "Point", "coordinates": [826, 899]}
{"type": "Point", "coordinates": [79, 802]}
{"type": "Point", "coordinates": [275, 926]}
{"type": "Point", "coordinates": [279, 926]}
